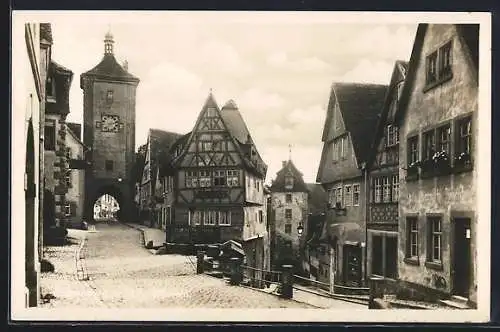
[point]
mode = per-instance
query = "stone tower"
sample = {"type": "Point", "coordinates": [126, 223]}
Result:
{"type": "Point", "coordinates": [109, 93]}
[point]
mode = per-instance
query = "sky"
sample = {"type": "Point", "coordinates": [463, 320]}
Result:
{"type": "Point", "coordinates": [278, 71]}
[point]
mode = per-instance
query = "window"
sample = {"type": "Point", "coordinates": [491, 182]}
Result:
{"type": "Point", "coordinates": [219, 178]}
{"type": "Point", "coordinates": [355, 194]}
{"type": "Point", "coordinates": [68, 178]}
{"type": "Point", "coordinates": [392, 135]}
{"type": "Point", "coordinates": [195, 217]}
{"type": "Point", "coordinates": [68, 153]}
{"type": "Point", "coordinates": [412, 237]}
{"type": "Point", "coordinates": [387, 186]}
{"type": "Point", "coordinates": [109, 165]}
{"type": "Point", "coordinates": [288, 228]}
{"type": "Point", "coordinates": [288, 182]}
{"type": "Point", "coordinates": [431, 68]}
{"type": "Point", "coordinates": [429, 145]}
{"type": "Point", "coordinates": [464, 144]}
{"type": "Point", "coordinates": [335, 152]}
{"type": "Point", "coordinates": [261, 216]}
{"type": "Point", "coordinates": [435, 234]}
{"type": "Point", "coordinates": [338, 196]}
{"type": "Point", "coordinates": [50, 88]}
{"type": "Point", "coordinates": [67, 209]}
{"type": "Point", "coordinates": [395, 188]}
{"type": "Point", "coordinates": [191, 179]}
{"type": "Point", "coordinates": [445, 60]}
{"type": "Point", "coordinates": [233, 178]}
{"type": "Point", "coordinates": [225, 218]}
{"type": "Point", "coordinates": [50, 136]}
{"type": "Point", "coordinates": [343, 147]}
{"type": "Point", "coordinates": [443, 136]}
{"type": "Point", "coordinates": [288, 213]}
{"type": "Point", "coordinates": [348, 196]}
{"type": "Point", "coordinates": [439, 65]}
{"type": "Point", "coordinates": [205, 179]}
{"type": "Point", "coordinates": [109, 96]}
{"type": "Point", "coordinates": [258, 185]}
{"type": "Point", "coordinates": [377, 190]}
{"type": "Point", "coordinates": [412, 150]}
{"type": "Point", "coordinates": [288, 198]}
{"type": "Point", "coordinates": [209, 217]}
{"type": "Point", "coordinates": [205, 146]}
{"type": "Point", "coordinates": [331, 196]}
{"type": "Point", "coordinates": [211, 112]}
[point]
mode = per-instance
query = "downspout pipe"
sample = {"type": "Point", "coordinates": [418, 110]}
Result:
{"type": "Point", "coordinates": [366, 197]}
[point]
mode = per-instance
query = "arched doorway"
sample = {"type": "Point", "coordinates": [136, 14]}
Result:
{"type": "Point", "coordinates": [106, 208]}
{"type": "Point", "coordinates": [106, 204]}
{"type": "Point", "coordinates": [30, 196]}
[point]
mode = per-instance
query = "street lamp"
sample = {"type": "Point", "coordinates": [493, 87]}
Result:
{"type": "Point", "coordinates": [119, 179]}
{"type": "Point", "coordinates": [300, 229]}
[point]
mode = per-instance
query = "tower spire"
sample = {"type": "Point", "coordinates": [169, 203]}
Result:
{"type": "Point", "coordinates": [108, 43]}
{"type": "Point", "coordinates": [290, 152]}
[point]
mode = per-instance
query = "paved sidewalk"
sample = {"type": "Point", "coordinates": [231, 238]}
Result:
{"type": "Point", "coordinates": [157, 236]}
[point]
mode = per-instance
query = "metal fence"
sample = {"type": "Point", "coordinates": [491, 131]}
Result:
{"type": "Point", "coordinates": [260, 277]}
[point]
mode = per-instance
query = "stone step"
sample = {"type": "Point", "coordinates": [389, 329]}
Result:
{"type": "Point", "coordinates": [453, 304]}
{"type": "Point", "coordinates": [460, 299]}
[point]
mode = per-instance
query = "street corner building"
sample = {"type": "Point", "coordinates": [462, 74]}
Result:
{"type": "Point", "coordinates": [109, 114]}
{"type": "Point", "coordinates": [289, 199]}
{"type": "Point", "coordinates": [352, 115]}
{"type": "Point", "coordinates": [207, 186]}
{"type": "Point", "coordinates": [438, 149]}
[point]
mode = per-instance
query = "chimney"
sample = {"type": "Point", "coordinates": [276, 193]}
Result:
{"type": "Point", "coordinates": [125, 65]}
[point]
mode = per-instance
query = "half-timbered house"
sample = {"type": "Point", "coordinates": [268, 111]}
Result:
{"type": "Point", "coordinates": [158, 143]}
{"type": "Point", "coordinates": [438, 164]}
{"type": "Point", "coordinates": [219, 185]}
{"type": "Point", "coordinates": [352, 117]}
{"type": "Point", "coordinates": [383, 182]}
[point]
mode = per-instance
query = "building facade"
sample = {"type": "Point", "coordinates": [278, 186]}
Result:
{"type": "Point", "coordinates": [352, 116]}
{"type": "Point", "coordinates": [56, 167]}
{"type": "Point", "coordinates": [219, 185]}
{"type": "Point", "coordinates": [29, 74]}
{"type": "Point", "coordinates": [289, 199]}
{"type": "Point", "coordinates": [438, 149]}
{"type": "Point", "coordinates": [75, 178]}
{"type": "Point", "coordinates": [383, 181]}
{"type": "Point", "coordinates": [151, 193]}
{"type": "Point", "coordinates": [109, 100]}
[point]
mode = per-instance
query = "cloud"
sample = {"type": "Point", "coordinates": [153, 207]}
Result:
{"type": "Point", "coordinates": [310, 64]}
{"type": "Point", "coordinates": [369, 71]}
{"type": "Point", "coordinates": [221, 57]}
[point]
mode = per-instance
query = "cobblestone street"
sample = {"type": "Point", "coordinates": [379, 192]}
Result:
{"type": "Point", "coordinates": [123, 274]}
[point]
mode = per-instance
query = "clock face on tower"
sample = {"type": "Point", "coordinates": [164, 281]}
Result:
{"type": "Point", "coordinates": [110, 123]}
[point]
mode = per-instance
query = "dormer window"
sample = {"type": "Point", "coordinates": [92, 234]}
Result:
{"type": "Point", "coordinates": [288, 182]}
{"type": "Point", "coordinates": [50, 88]}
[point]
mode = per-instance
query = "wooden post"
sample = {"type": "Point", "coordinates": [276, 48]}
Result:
{"type": "Point", "coordinates": [200, 260]}
{"type": "Point", "coordinates": [287, 281]}
{"type": "Point", "coordinates": [332, 270]}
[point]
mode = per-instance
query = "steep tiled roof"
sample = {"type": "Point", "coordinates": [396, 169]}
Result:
{"type": "Point", "coordinates": [360, 106]}
{"type": "Point", "coordinates": [233, 120]}
{"type": "Point", "coordinates": [160, 142]}
{"type": "Point", "coordinates": [165, 159]}
{"type": "Point", "coordinates": [398, 75]}
{"type": "Point", "coordinates": [109, 68]}
{"type": "Point", "coordinates": [470, 34]}
{"type": "Point", "coordinates": [318, 198]}
{"type": "Point", "coordinates": [289, 168]}
{"type": "Point", "coordinates": [46, 32]}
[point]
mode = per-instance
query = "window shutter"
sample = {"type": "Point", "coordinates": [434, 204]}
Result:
{"type": "Point", "coordinates": [73, 208]}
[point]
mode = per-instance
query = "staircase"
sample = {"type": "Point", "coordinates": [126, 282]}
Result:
{"type": "Point", "coordinates": [456, 302]}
